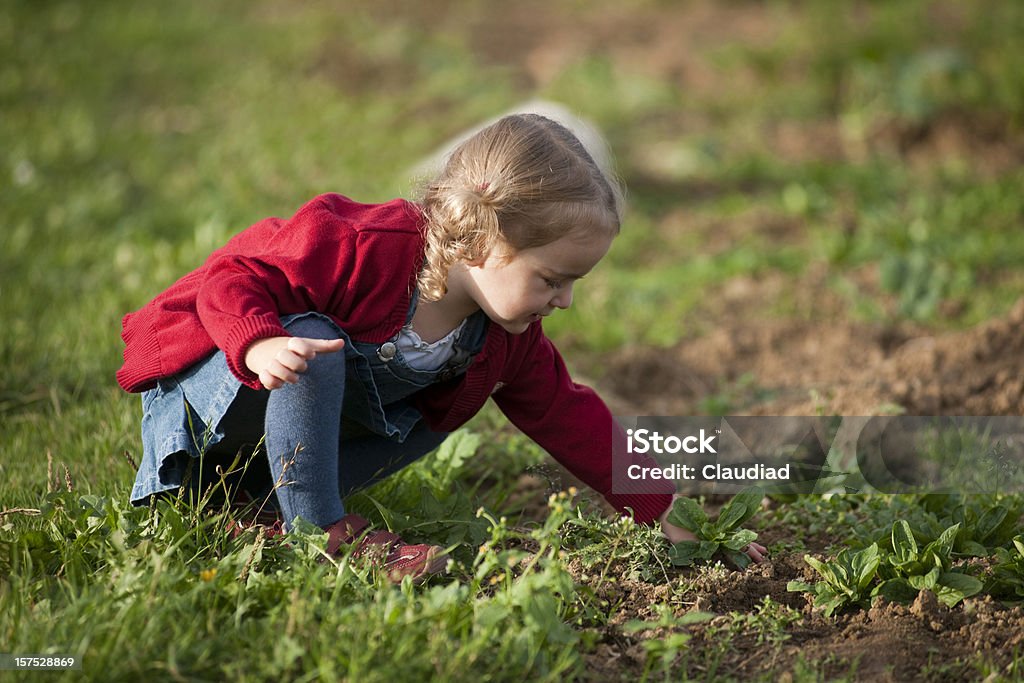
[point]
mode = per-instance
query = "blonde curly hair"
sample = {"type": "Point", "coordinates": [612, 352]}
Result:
{"type": "Point", "coordinates": [522, 182]}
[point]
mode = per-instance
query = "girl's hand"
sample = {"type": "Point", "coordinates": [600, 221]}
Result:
{"type": "Point", "coordinates": [278, 360]}
{"type": "Point", "coordinates": [756, 552]}
{"type": "Point", "coordinates": [675, 534]}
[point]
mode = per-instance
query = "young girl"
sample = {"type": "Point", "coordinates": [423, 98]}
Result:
{"type": "Point", "coordinates": [356, 337]}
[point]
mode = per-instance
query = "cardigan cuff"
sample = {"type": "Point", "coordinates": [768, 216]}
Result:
{"type": "Point", "coordinates": [646, 507]}
{"type": "Point", "coordinates": [144, 351]}
{"type": "Point", "coordinates": [240, 338]}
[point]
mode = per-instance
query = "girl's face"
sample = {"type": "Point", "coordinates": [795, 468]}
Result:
{"type": "Point", "coordinates": [519, 290]}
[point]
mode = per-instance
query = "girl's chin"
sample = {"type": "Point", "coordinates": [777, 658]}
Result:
{"type": "Point", "coordinates": [520, 326]}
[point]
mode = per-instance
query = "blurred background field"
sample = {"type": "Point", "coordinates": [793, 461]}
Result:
{"type": "Point", "coordinates": [817, 162]}
{"type": "Point", "coordinates": [867, 150]}
{"type": "Point", "coordinates": [820, 159]}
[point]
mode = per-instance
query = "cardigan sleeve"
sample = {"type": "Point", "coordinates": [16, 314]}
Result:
{"type": "Point", "coordinates": [269, 270]}
{"type": "Point", "coordinates": [573, 424]}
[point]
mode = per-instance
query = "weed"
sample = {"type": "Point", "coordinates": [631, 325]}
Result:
{"type": "Point", "coordinates": [769, 621]}
{"type": "Point", "coordinates": [669, 638]}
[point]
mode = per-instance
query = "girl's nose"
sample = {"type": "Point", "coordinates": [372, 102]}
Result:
{"type": "Point", "coordinates": [564, 298]}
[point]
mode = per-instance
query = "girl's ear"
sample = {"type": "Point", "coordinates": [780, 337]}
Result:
{"type": "Point", "coordinates": [474, 261]}
{"type": "Point", "coordinates": [500, 250]}
{"type": "Point", "coordinates": [474, 257]}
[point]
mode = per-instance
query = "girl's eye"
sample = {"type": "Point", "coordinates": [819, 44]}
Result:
{"type": "Point", "coordinates": [553, 284]}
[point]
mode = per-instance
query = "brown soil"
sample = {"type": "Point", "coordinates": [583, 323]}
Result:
{"type": "Point", "coordinates": [921, 641]}
{"type": "Point", "coordinates": [787, 367]}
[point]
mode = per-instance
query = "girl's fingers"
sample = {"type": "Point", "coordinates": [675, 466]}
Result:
{"type": "Point", "coordinates": [269, 381]}
{"type": "Point", "coordinates": [308, 348]}
{"type": "Point", "coordinates": [328, 345]}
{"type": "Point", "coordinates": [278, 370]}
{"type": "Point", "coordinates": [292, 361]}
{"type": "Point", "coordinates": [757, 552]}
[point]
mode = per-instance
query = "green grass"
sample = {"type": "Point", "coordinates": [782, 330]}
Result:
{"type": "Point", "coordinates": [136, 138]}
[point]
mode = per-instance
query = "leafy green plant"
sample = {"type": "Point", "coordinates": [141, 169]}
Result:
{"type": "Point", "coordinates": [910, 568]}
{"type": "Point", "coordinates": [1007, 579]}
{"type": "Point", "coordinates": [724, 534]}
{"type": "Point", "coordinates": [985, 522]}
{"type": "Point", "coordinates": [431, 499]}
{"type": "Point", "coordinates": [847, 580]}
{"type": "Point", "coordinates": [850, 579]}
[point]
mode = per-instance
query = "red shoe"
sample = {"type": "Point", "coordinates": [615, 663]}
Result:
{"type": "Point", "coordinates": [248, 516]}
{"type": "Point", "coordinates": [386, 549]}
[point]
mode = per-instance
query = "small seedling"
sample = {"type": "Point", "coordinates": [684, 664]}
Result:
{"type": "Point", "coordinates": [664, 650]}
{"type": "Point", "coordinates": [846, 580]}
{"type": "Point", "coordinates": [910, 569]}
{"type": "Point", "coordinates": [724, 534]}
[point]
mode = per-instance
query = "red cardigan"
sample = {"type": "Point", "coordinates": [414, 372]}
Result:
{"type": "Point", "coordinates": [358, 264]}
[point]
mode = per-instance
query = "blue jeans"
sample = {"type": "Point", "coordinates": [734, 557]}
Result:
{"type": "Point", "coordinates": [345, 425]}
